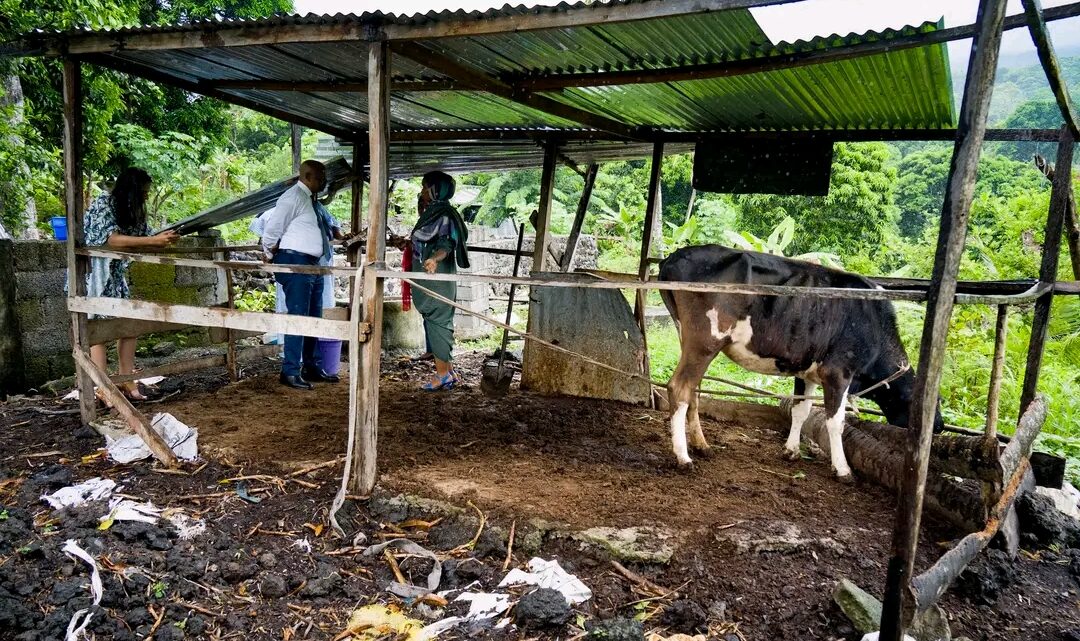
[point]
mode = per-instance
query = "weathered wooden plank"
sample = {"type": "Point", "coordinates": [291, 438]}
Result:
{"type": "Point", "coordinates": [579, 218]}
{"type": "Point", "coordinates": [212, 317]}
{"type": "Point", "coordinates": [78, 266]}
{"type": "Point", "coordinates": [997, 366]}
{"type": "Point", "coordinates": [231, 362]}
{"type": "Point", "coordinates": [246, 355]}
{"type": "Point", "coordinates": [951, 237]}
{"type": "Point", "coordinates": [543, 212]}
{"type": "Point", "coordinates": [1040, 35]}
{"type": "Point", "coordinates": [359, 159]}
{"type": "Point", "coordinates": [364, 390]}
{"type": "Point", "coordinates": [652, 210]}
{"type": "Point", "coordinates": [134, 418]}
{"type": "Point", "coordinates": [1072, 228]}
{"type": "Point", "coordinates": [1060, 195]}
{"type": "Point", "coordinates": [240, 265]}
{"type": "Point", "coordinates": [295, 133]}
{"type": "Point", "coordinates": [586, 281]}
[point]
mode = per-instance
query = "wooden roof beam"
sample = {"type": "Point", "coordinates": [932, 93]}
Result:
{"type": "Point", "coordinates": [1041, 37]}
{"type": "Point", "coordinates": [473, 78]}
{"type": "Point", "coordinates": [772, 62]}
{"type": "Point", "coordinates": [345, 86]}
{"type": "Point", "coordinates": [196, 87]}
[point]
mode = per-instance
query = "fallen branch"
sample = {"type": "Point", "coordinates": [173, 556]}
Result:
{"type": "Point", "coordinates": [42, 454]}
{"type": "Point", "coordinates": [198, 608]}
{"type": "Point", "coordinates": [317, 466]}
{"type": "Point", "coordinates": [157, 623]}
{"type": "Point", "coordinates": [641, 581]}
{"type": "Point", "coordinates": [509, 546]}
{"type": "Point", "coordinates": [394, 567]}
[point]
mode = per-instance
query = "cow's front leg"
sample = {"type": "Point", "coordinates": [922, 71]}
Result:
{"type": "Point", "coordinates": [681, 392]}
{"type": "Point", "coordinates": [800, 410]}
{"type": "Point", "coordinates": [697, 437]}
{"type": "Point", "coordinates": [836, 389]}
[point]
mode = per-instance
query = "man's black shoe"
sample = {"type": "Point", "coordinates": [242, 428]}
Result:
{"type": "Point", "coordinates": [320, 376]}
{"type": "Point", "coordinates": [296, 382]}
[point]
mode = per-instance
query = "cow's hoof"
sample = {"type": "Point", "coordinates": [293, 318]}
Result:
{"type": "Point", "coordinates": [686, 468]}
{"type": "Point", "coordinates": [791, 455]}
{"type": "Point", "coordinates": [703, 451]}
{"type": "Point", "coordinates": [846, 479]}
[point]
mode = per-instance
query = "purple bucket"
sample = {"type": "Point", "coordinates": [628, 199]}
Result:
{"type": "Point", "coordinates": [330, 352]}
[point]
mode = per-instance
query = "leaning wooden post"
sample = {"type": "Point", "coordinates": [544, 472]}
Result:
{"type": "Point", "coordinates": [543, 214]}
{"type": "Point", "coordinates": [646, 244]}
{"type": "Point", "coordinates": [77, 266]}
{"type": "Point", "coordinates": [231, 363]}
{"type": "Point", "coordinates": [1059, 202]}
{"type": "Point", "coordinates": [996, 368]}
{"type": "Point", "coordinates": [364, 388]}
{"type": "Point", "coordinates": [358, 158]}
{"type": "Point", "coordinates": [579, 218]}
{"type": "Point", "coordinates": [897, 608]}
{"type": "Point", "coordinates": [296, 145]}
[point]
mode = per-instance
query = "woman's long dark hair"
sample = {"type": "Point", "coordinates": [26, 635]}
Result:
{"type": "Point", "coordinates": [127, 197]}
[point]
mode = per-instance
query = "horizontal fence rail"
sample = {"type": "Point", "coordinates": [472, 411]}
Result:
{"type": "Point", "coordinates": [239, 265]}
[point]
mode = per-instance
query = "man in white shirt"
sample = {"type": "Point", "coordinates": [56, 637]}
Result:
{"type": "Point", "coordinates": [294, 234]}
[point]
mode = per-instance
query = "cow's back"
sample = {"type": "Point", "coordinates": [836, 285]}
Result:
{"type": "Point", "coordinates": [796, 331]}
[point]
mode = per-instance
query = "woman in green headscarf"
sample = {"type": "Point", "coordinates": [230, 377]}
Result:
{"type": "Point", "coordinates": [438, 246]}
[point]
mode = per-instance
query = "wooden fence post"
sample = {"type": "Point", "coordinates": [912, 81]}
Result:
{"type": "Point", "coordinates": [543, 214]}
{"type": "Point", "coordinates": [579, 217]}
{"type": "Point", "coordinates": [952, 234]}
{"type": "Point", "coordinates": [651, 212]}
{"type": "Point", "coordinates": [364, 384]}
{"type": "Point", "coordinates": [77, 266]}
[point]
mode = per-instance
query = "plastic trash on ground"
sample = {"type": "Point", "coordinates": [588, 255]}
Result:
{"type": "Point", "coordinates": [180, 438]}
{"type": "Point", "coordinates": [381, 622]}
{"type": "Point", "coordinates": [549, 574]}
{"type": "Point", "coordinates": [73, 395]}
{"type": "Point", "coordinates": [873, 636]}
{"type": "Point", "coordinates": [94, 489]}
{"type": "Point", "coordinates": [128, 510]}
{"type": "Point", "coordinates": [81, 619]}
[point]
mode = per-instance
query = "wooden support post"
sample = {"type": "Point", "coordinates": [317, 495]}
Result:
{"type": "Point", "coordinates": [1072, 229]}
{"type": "Point", "coordinates": [579, 217]}
{"type": "Point", "coordinates": [998, 365]}
{"type": "Point", "coordinates": [952, 233]}
{"type": "Point", "coordinates": [77, 266]}
{"type": "Point", "coordinates": [231, 363]}
{"type": "Point", "coordinates": [543, 213]}
{"type": "Point", "coordinates": [651, 212]}
{"type": "Point", "coordinates": [1040, 36]}
{"type": "Point", "coordinates": [296, 143]}
{"type": "Point", "coordinates": [358, 159]}
{"type": "Point", "coordinates": [1055, 220]}
{"type": "Point", "coordinates": [123, 406]}
{"type": "Point", "coordinates": [364, 362]}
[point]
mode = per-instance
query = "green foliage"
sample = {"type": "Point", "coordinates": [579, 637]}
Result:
{"type": "Point", "coordinates": [855, 214]}
{"type": "Point", "coordinates": [256, 300]}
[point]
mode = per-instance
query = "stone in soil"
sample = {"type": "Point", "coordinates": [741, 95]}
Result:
{"type": "Point", "coordinates": [164, 348]}
{"type": "Point", "coordinates": [986, 579]}
{"type": "Point", "coordinates": [321, 586]}
{"type": "Point", "coordinates": [777, 537]}
{"type": "Point", "coordinates": [615, 630]}
{"type": "Point", "coordinates": [52, 477]}
{"type": "Point", "coordinates": [153, 536]}
{"type": "Point", "coordinates": [685, 616]}
{"type": "Point", "coordinates": [267, 560]}
{"type": "Point", "coordinates": [542, 608]}
{"type": "Point", "coordinates": [1042, 521]}
{"type": "Point", "coordinates": [273, 586]}
{"type": "Point", "coordinates": [236, 572]}
{"type": "Point", "coordinates": [632, 544]}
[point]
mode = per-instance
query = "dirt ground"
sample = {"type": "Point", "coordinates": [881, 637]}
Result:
{"type": "Point", "coordinates": [758, 543]}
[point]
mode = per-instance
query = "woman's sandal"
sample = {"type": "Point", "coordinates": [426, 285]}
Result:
{"type": "Point", "coordinates": [133, 395]}
{"type": "Point", "coordinates": [446, 382]}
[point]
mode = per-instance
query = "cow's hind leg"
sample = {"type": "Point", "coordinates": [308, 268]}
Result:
{"type": "Point", "coordinates": [836, 388]}
{"type": "Point", "coordinates": [693, 361]}
{"type": "Point", "coordinates": [800, 410]}
{"type": "Point", "coordinates": [697, 437]}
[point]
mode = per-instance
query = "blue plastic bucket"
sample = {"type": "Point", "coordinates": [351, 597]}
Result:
{"type": "Point", "coordinates": [59, 227]}
{"type": "Point", "coordinates": [330, 351]}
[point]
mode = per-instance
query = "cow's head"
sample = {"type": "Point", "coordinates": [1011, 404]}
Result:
{"type": "Point", "coordinates": [894, 399]}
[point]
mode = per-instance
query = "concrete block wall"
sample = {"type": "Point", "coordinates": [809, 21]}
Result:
{"type": "Point", "coordinates": [35, 326]}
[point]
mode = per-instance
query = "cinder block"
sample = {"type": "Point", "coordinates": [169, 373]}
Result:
{"type": "Point", "coordinates": [46, 342]}
{"type": "Point", "coordinates": [36, 371]}
{"type": "Point", "coordinates": [147, 275]}
{"type": "Point", "coordinates": [61, 365]}
{"type": "Point", "coordinates": [56, 312]}
{"type": "Point", "coordinates": [40, 284]}
{"type": "Point", "coordinates": [31, 314]}
{"type": "Point", "coordinates": [195, 276]}
{"type": "Point", "coordinates": [26, 256]}
{"type": "Point", "coordinates": [52, 254]}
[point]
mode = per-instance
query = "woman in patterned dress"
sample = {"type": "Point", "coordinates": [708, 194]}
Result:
{"type": "Point", "coordinates": [117, 220]}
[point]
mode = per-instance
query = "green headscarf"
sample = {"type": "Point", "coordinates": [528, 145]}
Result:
{"type": "Point", "coordinates": [442, 188]}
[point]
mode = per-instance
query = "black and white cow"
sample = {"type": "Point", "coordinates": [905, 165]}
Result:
{"type": "Point", "coordinates": [843, 345]}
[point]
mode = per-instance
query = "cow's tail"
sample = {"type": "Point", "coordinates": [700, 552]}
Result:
{"type": "Point", "coordinates": [668, 296]}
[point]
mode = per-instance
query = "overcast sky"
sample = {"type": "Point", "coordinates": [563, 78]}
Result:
{"type": "Point", "coordinates": [801, 20]}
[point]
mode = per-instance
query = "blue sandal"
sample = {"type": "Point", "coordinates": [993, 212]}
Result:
{"type": "Point", "coordinates": [446, 382]}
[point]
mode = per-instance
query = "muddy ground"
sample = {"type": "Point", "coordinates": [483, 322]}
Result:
{"type": "Point", "coordinates": [756, 543]}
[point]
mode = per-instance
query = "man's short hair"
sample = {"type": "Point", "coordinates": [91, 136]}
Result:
{"type": "Point", "coordinates": [309, 167]}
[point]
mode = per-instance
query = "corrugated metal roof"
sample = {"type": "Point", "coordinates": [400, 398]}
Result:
{"type": "Point", "coordinates": [908, 88]}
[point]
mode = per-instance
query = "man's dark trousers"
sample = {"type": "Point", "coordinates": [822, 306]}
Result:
{"type": "Point", "coordinates": [303, 297]}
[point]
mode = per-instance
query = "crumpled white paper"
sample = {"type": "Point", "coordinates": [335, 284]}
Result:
{"type": "Point", "coordinates": [128, 510]}
{"type": "Point", "coordinates": [94, 489]}
{"type": "Point", "coordinates": [549, 574]}
{"type": "Point", "coordinates": [180, 438]}
{"type": "Point", "coordinates": [78, 623]}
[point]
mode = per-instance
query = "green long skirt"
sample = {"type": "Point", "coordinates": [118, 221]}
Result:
{"type": "Point", "coordinates": [438, 316]}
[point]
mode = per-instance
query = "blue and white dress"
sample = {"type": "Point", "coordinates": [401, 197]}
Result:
{"type": "Point", "coordinates": [108, 276]}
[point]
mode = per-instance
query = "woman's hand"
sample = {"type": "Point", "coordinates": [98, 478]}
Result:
{"type": "Point", "coordinates": [164, 239]}
{"type": "Point", "coordinates": [431, 264]}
